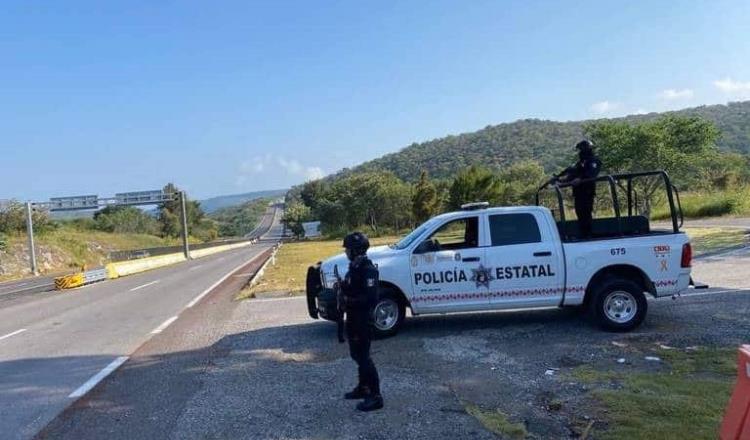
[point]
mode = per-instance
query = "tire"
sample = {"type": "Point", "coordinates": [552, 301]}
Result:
{"type": "Point", "coordinates": [388, 314]}
{"type": "Point", "coordinates": [618, 305]}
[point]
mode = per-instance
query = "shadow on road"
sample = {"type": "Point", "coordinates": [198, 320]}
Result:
{"type": "Point", "coordinates": [286, 381]}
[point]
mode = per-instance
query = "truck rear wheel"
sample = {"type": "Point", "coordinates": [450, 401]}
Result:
{"type": "Point", "coordinates": [619, 305]}
{"type": "Point", "coordinates": [388, 314]}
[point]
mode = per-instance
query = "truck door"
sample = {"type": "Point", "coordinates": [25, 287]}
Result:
{"type": "Point", "coordinates": [524, 260]}
{"type": "Point", "coordinates": [446, 268]}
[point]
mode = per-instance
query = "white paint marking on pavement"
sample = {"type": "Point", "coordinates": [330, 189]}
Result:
{"type": "Point", "coordinates": [144, 285]}
{"type": "Point", "coordinates": [163, 325]}
{"type": "Point", "coordinates": [196, 267]}
{"type": "Point", "coordinates": [91, 383]}
{"type": "Point", "coordinates": [220, 259]}
{"type": "Point", "coordinates": [213, 286]}
{"type": "Point", "coordinates": [13, 333]}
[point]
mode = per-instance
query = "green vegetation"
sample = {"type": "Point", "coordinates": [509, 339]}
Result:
{"type": "Point", "coordinates": [64, 243]}
{"type": "Point", "coordinates": [199, 225]}
{"type": "Point", "coordinates": [292, 260]}
{"type": "Point", "coordinates": [497, 422]}
{"type": "Point", "coordinates": [236, 221]}
{"type": "Point", "coordinates": [383, 201]}
{"type": "Point", "coordinates": [547, 142]}
{"type": "Point", "coordinates": [686, 399]}
{"type": "Point", "coordinates": [125, 219]}
{"type": "Point", "coordinates": [712, 239]}
{"type": "Point", "coordinates": [710, 204]}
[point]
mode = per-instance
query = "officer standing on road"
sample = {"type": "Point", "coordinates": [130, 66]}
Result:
{"type": "Point", "coordinates": [587, 167]}
{"type": "Point", "coordinates": [360, 289]}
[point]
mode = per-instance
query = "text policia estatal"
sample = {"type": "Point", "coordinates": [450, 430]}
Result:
{"type": "Point", "coordinates": [500, 273]}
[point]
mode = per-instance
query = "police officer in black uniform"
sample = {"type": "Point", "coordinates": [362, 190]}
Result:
{"type": "Point", "coordinates": [360, 289]}
{"type": "Point", "coordinates": [587, 167]}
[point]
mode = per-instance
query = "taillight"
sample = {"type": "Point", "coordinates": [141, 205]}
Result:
{"type": "Point", "coordinates": [687, 255]}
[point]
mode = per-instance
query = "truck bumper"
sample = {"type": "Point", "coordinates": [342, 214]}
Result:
{"type": "Point", "coordinates": [321, 302]}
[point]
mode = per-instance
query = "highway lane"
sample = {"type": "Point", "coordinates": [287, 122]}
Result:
{"type": "Point", "coordinates": [51, 344]}
{"type": "Point", "coordinates": [26, 286]}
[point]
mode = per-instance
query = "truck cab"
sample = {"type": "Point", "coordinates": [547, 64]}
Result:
{"type": "Point", "coordinates": [494, 258]}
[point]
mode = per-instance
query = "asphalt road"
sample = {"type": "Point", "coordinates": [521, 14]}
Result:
{"type": "Point", "coordinates": [13, 289]}
{"type": "Point", "coordinates": [264, 369]}
{"type": "Point", "coordinates": [55, 345]}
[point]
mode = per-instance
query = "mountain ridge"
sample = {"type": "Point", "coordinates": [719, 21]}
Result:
{"type": "Point", "coordinates": [546, 141]}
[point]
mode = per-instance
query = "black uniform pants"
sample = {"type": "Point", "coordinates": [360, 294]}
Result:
{"type": "Point", "coordinates": [359, 335]}
{"type": "Point", "coordinates": [584, 206]}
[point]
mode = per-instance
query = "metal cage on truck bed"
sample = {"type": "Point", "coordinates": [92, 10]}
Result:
{"type": "Point", "coordinates": [618, 226]}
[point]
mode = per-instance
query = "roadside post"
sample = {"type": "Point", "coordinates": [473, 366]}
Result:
{"type": "Point", "coordinates": [183, 214]}
{"type": "Point", "coordinates": [30, 233]}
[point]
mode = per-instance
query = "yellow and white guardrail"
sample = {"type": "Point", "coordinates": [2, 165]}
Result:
{"type": "Point", "coordinates": [130, 267]}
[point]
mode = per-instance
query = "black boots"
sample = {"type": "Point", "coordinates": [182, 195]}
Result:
{"type": "Point", "coordinates": [359, 392]}
{"type": "Point", "coordinates": [371, 403]}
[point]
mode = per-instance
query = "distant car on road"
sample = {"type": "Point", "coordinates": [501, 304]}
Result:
{"type": "Point", "coordinates": [482, 258]}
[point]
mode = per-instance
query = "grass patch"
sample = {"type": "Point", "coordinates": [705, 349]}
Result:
{"type": "Point", "coordinates": [497, 422]}
{"type": "Point", "coordinates": [710, 239]}
{"type": "Point", "coordinates": [687, 400]}
{"type": "Point", "coordinates": [713, 204]}
{"type": "Point", "coordinates": [292, 260]}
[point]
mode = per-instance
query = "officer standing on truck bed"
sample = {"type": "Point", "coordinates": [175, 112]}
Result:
{"type": "Point", "coordinates": [360, 289]}
{"type": "Point", "coordinates": [587, 167]}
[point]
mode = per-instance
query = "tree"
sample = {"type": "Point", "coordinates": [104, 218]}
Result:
{"type": "Point", "coordinates": [475, 184]}
{"type": "Point", "coordinates": [125, 219]}
{"type": "Point", "coordinates": [520, 182]}
{"type": "Point", "coordinates": [679, 145]}
{"type": "Point", "coordinates": [13, 219]}
{"type": "Point", "coordinates": [294, 215]}
{"type": "Point", "coordinates": [425, 202]}
{"type": "Point", "coordinates": [169, 218]}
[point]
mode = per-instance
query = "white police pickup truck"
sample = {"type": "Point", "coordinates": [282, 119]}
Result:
{"type": "Point", "coordinates": [483, 258]}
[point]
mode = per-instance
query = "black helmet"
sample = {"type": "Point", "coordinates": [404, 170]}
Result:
{"type": "Point", "coordinates": [357, 242]}
{"type": "Point", "coordinates": [585, 145]}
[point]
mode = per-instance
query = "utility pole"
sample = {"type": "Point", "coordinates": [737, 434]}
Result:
{"type": "Point", "coordinates": [30, 232]}
{"type": "Point", "coordinates": [183, 211]}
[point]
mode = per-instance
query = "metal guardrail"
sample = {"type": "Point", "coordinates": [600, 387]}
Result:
{"type": "Point", "coordinates": [92, 276]}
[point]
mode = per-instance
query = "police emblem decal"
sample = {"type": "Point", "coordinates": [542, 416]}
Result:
{"type": "Point", "coordinates": [482, 276]}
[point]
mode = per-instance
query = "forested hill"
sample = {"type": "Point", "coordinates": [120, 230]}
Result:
{"type": "Point", "coordinates": [548, 142]}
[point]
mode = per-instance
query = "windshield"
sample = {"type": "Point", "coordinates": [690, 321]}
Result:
{"type": "Point", "coordinates": [413, 235]}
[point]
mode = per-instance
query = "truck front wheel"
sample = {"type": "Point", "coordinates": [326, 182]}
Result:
{"type": "Point", "coordinates": [619, 305]}
{"type": "Point", "coordinates": [388, 314]}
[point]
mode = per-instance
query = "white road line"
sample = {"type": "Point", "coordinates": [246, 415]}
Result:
{"type": "Point", "coordinates": [213, 286]}
{"type": "Point", "coordinates": [196, 267]}
{"type": "Point", "coordinates": [220, 259]}
{"type": "Point", "coordinates": [144, 285]}
{"type": "Point", "coordinates": [163, 325]}
{"type": "Point", "coordinates": [91, 383]}
{"type": "Point", "coordinates": [13, 333]}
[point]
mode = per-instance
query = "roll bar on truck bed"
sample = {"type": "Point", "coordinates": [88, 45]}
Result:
{"type": "Point", "coordinates": [625, 182]}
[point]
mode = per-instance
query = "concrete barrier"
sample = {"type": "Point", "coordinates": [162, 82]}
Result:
{"type": "Point", "coordinates": [124, 268]}
{"type": "Point", "coordinates": [216, 249]}
{"type": "Point", "coordinates": [69, 281]}
{"type": "Point", "coordinates": [130, 267]}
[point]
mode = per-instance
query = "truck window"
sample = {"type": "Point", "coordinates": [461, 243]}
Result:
{"type": "Point", "coordinates": [506, 229]}
{"type": "Point", "coordinates": [462, 233]}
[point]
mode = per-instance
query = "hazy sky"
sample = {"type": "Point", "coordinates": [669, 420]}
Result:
{"type": "Point", "coordinates": [231, 96]}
